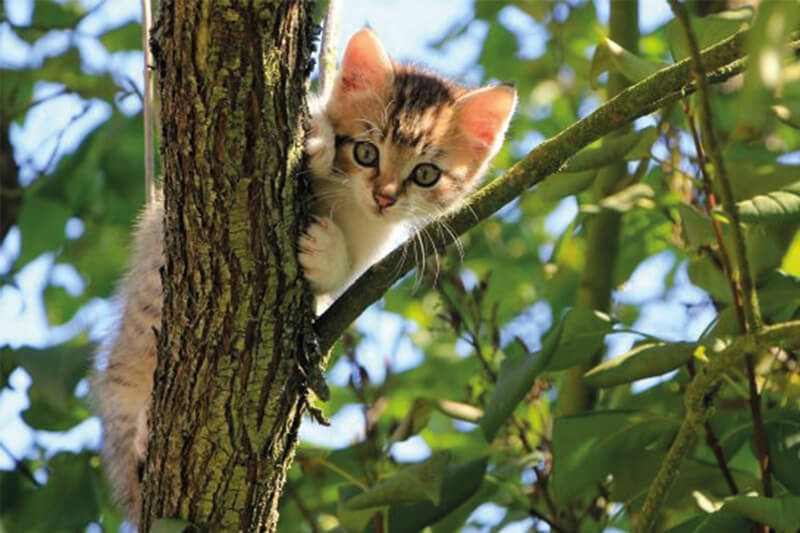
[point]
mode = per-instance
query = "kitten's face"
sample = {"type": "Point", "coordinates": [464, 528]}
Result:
{"type": "Point", "coordinates": [411, 143]}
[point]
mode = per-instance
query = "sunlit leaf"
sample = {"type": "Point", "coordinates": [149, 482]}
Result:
{"type": "Point", "coordinates": [420, 482]}
{"type": "Point", "coordinates": [645, 360]}
{"type": "Point", "coordinates": [783, 514]}
{"type": "Point", "coordinates": [633, 145]}
{"type": "Point", "coordinates": [772, 25]}
{"type": "Point", "coordinates": [460, 483]}
{"type": "Point", "coordinates": [783, 437]}
{"type": "Point", "coordinates": [126, 37]}
{"type": "Point", "coordinates": [55, 372]}
{"type": "Point", "coordinates": [581, 336]}
{"type": "Point", "coordinates": [610, 56]}
{"type": "Point", "coordinates": [517, 375]}
{"type": "Point", "coordinates": [708, 30]}
{"type": "Point", "coordinates": [777, 206]}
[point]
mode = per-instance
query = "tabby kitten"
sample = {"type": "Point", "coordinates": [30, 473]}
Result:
{"type": "Point", "coordinates": [391, 148]}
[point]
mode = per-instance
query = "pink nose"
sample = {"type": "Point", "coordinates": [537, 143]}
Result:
{"type": "Point", "coordinates": [383, 200]}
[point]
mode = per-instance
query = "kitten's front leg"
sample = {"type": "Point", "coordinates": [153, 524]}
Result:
{"type": "Point", "coordinates": [323, 255]}
{"type": "Point", "coordinates": [321, 141]}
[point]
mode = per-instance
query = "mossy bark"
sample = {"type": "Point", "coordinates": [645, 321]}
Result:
{"type": "Point", "coordinates": [228, 394]}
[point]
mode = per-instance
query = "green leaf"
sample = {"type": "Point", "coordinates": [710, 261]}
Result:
{"type": "Point", "coordinates": [788, 112]}
{"type": "Point", "coordinates": [41, 222]}
{"type": "Point", "coordinates": [412, 484]}
{"type": "Point", "coordinates": [752, 179]}
{"type": "Point", "coordinates": [126, 37]}
{"type": "Point", "coordinates": [67, 502]}
{"type": "Point", "coordinates": [588, 447]}
{"type": "Point", "coordinates": [517, 375]}
{"type": "Point", "coordinates": [461, 482]}
{"type": "Point", "coordinates": [565, 184]}
{"type": "Point", "coordinates": [66, 69]}
{"type": "Point", "coordinates": [777, 206]}
{"type": "Point", "coordinates": [783, 438]}
{"type": "Point", "coordinates": [353, 520]}
{"type": "Point", "coordinates": [416, 419]}
{"type": "Point", "coordinates": [16, 92]}
{"type": "Point", "coordinates": [696, 227]}
{"type": "Point", "coordinates": [173, 525]}
{"type": "Point", "coordinates": [55, 373]}
{"type": "Point", "coordinates": [631, 146]}
{"type": "Point", "coordinates": [636, 195]}
{"type": "Point", "coordinates": [49, 15]}
{"type": "Point", "coordinates": [580, 339]}
{"type": "Point", "coordinates": [688, 526]}
{"type": "Point", "coordinates": [708, 30]}
{"type": "Point", "coordinates": [643, 361]}
{"type": "Point", "coordinates": [610, 56]}
{"type": "Point", "coordinates": [771, 27]}
{"type": "Point", "coordinates": [783, 514]}
{"type": "Point", "coordinates": [724, 521]}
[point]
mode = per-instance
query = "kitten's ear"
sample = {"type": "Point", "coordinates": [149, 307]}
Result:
{"type": "Point", "coordinates": [365, 66]}
{"type": "Point", "coordinates": [483, 116]}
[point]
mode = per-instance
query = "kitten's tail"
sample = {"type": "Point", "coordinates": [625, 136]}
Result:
{"type": "Point", "coordinates": [122, 446]}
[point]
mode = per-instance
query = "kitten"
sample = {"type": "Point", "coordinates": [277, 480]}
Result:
{"type": "Point", "coordinates": [393, 147]}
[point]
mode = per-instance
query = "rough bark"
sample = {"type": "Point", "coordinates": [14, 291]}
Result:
{"type": "Point", "coordinates": [228, 394]}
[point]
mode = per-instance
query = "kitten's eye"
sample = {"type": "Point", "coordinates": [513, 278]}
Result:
{"type": "Point", "coordinates": [366, 153]}
{"type": "Point", "coordinates": [425, 175]}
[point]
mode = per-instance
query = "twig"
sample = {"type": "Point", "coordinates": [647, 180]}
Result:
{"type": "Point", "coordinates": [327, 49]}
{"type": "Point", "coordinates": [698, 408]}
{"type": "Point", "coordinates": [665, 86]}
{"type": "Point", "coordinates": [541, 517]}
{"type": "Point", "coordinates": [21, 466]}
{"type": "Point", "coordinates": [750, 306]}
{"type": "Point", "coordinates": [147, 105]}
{"type": "Point", "coordinates": [713, 443]}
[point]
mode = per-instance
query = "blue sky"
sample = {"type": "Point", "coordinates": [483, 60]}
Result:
{"type": "Point", "coordinates": [406, 28]}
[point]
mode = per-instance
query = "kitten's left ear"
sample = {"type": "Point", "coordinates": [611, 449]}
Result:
{"type": "Point", "coordinates": [366, 65]}
{"type": "Point", "coordinates": [483, 116]}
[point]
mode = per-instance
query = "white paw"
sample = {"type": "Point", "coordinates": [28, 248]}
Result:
{"type": "Point", "coordinates": [320, 144]}
{"type": "Point", "coordinates": [323, 256]}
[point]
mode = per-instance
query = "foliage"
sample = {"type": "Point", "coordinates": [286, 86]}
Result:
{"type": "Point", "coordinates": [498, 326]}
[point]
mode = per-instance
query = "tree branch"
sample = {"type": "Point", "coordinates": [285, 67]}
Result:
{"type": "Point", "coordinates": [147, 104]}
{"type": "Point", "coordinates": [742, 278]}
{"type": "Point", "coordinates": [661, 88]}
{"type": "Point", "coordinates": [603, 230]}
{"type": "Point", "coordinates": [327, 49]}
{"type": "Point", "coordinates": [699, 408]}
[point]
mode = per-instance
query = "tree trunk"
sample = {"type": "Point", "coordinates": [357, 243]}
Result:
{"type": "Point", "coordinates": [228, 394]}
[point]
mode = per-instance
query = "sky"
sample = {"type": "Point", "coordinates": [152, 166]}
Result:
{"type": "Point", "coordinates": [406, 37]}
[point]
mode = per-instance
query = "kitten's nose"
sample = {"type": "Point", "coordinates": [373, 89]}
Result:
{"type": "Point", "coordinates": [383, 200]}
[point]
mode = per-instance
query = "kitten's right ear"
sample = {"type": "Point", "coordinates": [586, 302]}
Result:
{"type": "Point", "coordinates": [366, 66]}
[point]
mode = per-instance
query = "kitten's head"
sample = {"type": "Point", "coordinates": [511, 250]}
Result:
{"type": "Point", "coordinates": [411, 143]}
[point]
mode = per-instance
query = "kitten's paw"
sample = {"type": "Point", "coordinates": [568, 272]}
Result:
{"type": "Point", "coordinates": [320, 144]}
{"type": "Point", "coordinates": [323, 256]}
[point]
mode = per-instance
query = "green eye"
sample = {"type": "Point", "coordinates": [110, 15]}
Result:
{"type": "Point", "coordinates": [366, 154]}
{"type": "Point", "coordinates": [425, 175]}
